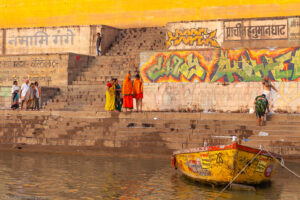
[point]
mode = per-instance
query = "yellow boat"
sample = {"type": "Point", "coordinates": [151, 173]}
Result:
{"type": "Point", "coordinates": [221, 164]}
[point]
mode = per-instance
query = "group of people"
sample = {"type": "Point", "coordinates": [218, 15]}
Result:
{"type": "Point", "coordinates": [129, 90]}
{"type": "Point", "coordinates": [264, 102]}
{"type": "Point", "coordinates": [28, 95]}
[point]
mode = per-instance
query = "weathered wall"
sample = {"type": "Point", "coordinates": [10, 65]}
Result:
{"type": "Point", "coordinates": [234, 97]}
{"type": "Point", "coordinates": [75, 39]}
{"type": "Point", "coordinates": [234, 33]}
{"type": "Point", "coordinates": [135, 13]}
{"type": "Point", "coordinates": [5, 97]}
{"type": "Point", "coordinates": [48, 69]}
{"type": "Point", "coordinates": [109, 35]}
{"type": "Point", "coordinates": [175, 80]}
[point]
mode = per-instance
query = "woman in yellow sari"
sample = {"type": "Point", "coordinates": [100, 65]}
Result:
{"type": "Point", "coordinates": [110, 96]}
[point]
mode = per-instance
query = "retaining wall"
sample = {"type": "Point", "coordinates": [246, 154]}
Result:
{"type": "Point", "coordinates": [59, 39]}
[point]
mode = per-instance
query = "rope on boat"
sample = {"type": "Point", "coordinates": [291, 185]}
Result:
{"type": "Point", "coordinates": [282, 164]}
{"type": "Point", "coordinates": [261, 148]}
{"type": "Point", "coordinates": [240, 172]}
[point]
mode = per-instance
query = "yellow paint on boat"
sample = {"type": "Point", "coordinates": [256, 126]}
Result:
{"type": "Point", "coordinates": [221, 166]}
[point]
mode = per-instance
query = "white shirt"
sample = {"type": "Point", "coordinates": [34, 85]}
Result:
{"type": "Point", "coordinates": [14, 88]}
{"type": "Point", "coordinates": [24, 89]}
{"type": "Point", "coordinates": [37, 94]}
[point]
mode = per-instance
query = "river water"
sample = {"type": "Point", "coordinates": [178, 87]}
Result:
{"type": "Point", "coordinates": [54, 176]}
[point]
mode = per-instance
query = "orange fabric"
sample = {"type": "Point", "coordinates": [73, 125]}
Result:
{"type": "Point", "coordinates": [127, 86]}
{"type": "Point", "coordinates": [138, 96]}
{"type": "Point", "coordinates": [128, 101]}
{"type": "Point", "coordinates": [137, 86]}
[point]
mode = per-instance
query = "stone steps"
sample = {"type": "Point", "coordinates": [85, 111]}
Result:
{"type": "Point", "coordinates": [122, 57]}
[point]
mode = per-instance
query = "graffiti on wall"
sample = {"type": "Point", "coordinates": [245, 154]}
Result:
{"type": "Point", "coordinates": [198, 37]}
{"type": "Point", "coordinates": [222, 65]}
{"type": "Point", "coordinates": [256, 29]}
{"type": "Point", "coordinates": [195, 35]}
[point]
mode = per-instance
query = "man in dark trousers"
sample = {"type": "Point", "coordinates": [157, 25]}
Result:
{"type": "Point", "coordinates": [98, 44]}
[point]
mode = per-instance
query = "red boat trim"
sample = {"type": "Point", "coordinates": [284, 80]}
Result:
{"type": "Point", "coordinates": [255, 151]}
{"type": "Point", "coordinates": [208, 148]}
{"type": "Point", "coordinates": [226, 147]}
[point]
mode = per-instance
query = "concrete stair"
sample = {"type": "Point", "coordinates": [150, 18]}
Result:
{"type": "Point", "coordinates": [146, 132]}
{"type": "Point", "coordinates": [87, 91]}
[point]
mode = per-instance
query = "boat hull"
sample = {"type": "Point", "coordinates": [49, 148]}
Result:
{"type": "Point", "coordinates": [220, 164]}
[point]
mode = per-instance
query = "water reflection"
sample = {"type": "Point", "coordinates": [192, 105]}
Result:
{"type": "Point", "coordinates": [53, 176]}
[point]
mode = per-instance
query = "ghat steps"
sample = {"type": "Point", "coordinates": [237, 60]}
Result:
{"type": "Point", "coordinates": [149, 132]}
{"type": "Point", "coordinates": [87, 91]}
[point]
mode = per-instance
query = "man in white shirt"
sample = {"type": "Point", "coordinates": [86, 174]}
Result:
{"type": "Point", "coordinates": [23, 91]}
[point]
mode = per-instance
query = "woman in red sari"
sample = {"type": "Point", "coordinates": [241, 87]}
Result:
{"type": "Point", "coordinates": [127, 93]}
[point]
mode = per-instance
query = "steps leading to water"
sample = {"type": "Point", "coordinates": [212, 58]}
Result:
{"type": "Point", "coordinates": [150, 132]}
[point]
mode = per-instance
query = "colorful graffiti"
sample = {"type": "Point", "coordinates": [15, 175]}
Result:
{"type": "Point", "coordinates": [200, 37]}
{"type": "Point", "coordinates": [222, 65]}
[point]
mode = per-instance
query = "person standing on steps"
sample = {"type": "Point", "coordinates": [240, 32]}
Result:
{"type": "Point", "coordinates": [15, 95]}
{"type": "Point", "coordinates": [261, 105]}
{"type": "Point", "coordinates": [110, 96]}
{"type": "Point", "coordinates": [138, 92]}
{"type": "Point", "coordinates": [268, 92]}
{"type": "Point", "coordinates": [37, 95]}
{"type": "Point", "coordinates": [30, 97]}
{"type": "Point", "coordinates": [23, 91]}
{"type": "Point", "coordinates": [98, 44]}
{"type": "Point", "coordinates": [127, 93]}
{"type": "Point", "coordinates": [118, 96]}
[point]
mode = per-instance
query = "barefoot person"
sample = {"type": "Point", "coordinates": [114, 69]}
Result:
{"type": "Point", "coordinates": [268, 91]}
{"type": "Point", "coordinates": [30, 97]}
{"type": "Point", "coordinates": [138, 92]}
{"type": "Point", "coordinates": [118, 96]}
{"type": "Point", "coordinates": [23, 92]}
{"type": "Point", "coordinates": [261, 105]}
{"type": "Point", "coordinates": [15, 95]}
{"type": "Point", "coordinates": [127, 93]}
{"type": "Point", "coordinates": [110, 96]}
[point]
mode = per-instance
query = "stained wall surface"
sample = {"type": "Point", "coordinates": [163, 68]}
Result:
{"type": "Point", "coordinates": [219, 65]}
{"type": "Point", "coordinates": [59, 39]}
{"type": "Point", "coordinates": [219, 80]}
{"type": "Point", "coordinates": [53, 70]}
{"type": "Point", "coordinates": [234, 33]}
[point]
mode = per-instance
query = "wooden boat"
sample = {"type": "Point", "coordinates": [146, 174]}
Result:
{"type": "Point", "coordinates": [220, 164]}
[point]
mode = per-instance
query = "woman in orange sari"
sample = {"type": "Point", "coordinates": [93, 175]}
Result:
{"type": "Point", "coordinates": [138, 92]}
{"type": "Point", "coordinates": [127, 93]}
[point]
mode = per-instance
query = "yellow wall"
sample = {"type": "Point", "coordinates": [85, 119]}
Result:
{"type": "Point", "coordinates": [135, 13]}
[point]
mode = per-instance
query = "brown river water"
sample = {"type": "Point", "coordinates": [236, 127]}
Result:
{"type": "Point", "coordinates": [38, 176]}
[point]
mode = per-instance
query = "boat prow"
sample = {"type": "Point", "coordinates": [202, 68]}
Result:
{"type": "Point", "coordinates": [220, 164]}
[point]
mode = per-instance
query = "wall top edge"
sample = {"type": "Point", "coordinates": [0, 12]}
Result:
{"type": "Point", "coordinates": [235, 19]}
{"type": "Point", "coordinates": [70, 26]}
{"type": "Point", "coordinates": [45, 54]}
